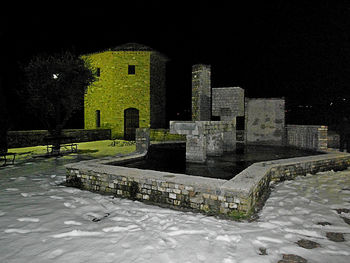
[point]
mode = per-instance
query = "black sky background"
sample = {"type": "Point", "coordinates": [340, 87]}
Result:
{"type": "Point", "coordinates": [299, 50]}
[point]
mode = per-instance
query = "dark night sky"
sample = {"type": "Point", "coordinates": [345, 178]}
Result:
{"type": "Point", "coordinates": [276, 48]}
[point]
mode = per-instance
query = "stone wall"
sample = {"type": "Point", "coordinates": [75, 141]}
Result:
{"type": "Point", "coordinates": [307, 136]}
{"type": "Point", "coordinates": [228, 103]}
{"type": "Point", "coordinates": [201, 93]}
{"type": "Point", "coordinates": [18, 139]}
{"type": "Point", "coordinates": [265, 121]}
{"type": "Point", "coordinates": [240, 196]}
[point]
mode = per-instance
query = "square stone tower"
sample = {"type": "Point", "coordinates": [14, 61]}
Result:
{"type": "Point", "coordinates": [201, 93]}
{"type": "Point", "coordinates": [129, 92]}
{"type": "Point", "coordinates": [228, 103]}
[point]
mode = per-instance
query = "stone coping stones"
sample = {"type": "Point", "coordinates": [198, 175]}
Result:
{"type": "Point", "coordinates": [234, 198]}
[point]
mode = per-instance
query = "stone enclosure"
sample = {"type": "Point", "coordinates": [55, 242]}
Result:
{"type": "Point", "coordinates": [262, 121]}
{"type": "Point", "coordinates": [242, 121]}
{"type": "Point", "coordinates": [238, 197]}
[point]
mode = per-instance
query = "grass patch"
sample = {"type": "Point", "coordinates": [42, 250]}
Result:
{"type": "Point", "coordinates": [95, 149]}
{"type": "Point", "coordinates": [239, 215]}
{"type": "Point", "coordinates": [98, 149]}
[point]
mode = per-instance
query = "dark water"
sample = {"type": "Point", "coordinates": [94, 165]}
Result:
{"type": "Point", "coordinates": [172, 158]}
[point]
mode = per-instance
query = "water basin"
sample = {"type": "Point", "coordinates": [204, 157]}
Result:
{"type": "Point", "coordinates": [172, 158]}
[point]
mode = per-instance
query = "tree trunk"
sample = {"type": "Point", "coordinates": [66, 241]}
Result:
{"type": "Point", "coordinates": [3, 141]}
{"type": "Point", "coordinates": [56, 142]}
{"type": "Point", "coordinates": [57, 131]}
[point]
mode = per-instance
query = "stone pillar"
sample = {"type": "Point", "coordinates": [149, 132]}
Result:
{"type": "Point", "coordinates": [201, 93]}
{"type": "Point", "coordinates": [215, 144]}
{"type": "Point", "coordinates": [322, 138]}
{"type": "Point", "coordinates": [196, 148]}
{"type": "Point", "coordinates": [229, 141]}
{"type": "Point", "coordinates": [142, 139]}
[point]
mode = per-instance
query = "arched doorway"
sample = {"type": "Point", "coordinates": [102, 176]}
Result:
{"type": "Point", "coordinates": [131, 122]}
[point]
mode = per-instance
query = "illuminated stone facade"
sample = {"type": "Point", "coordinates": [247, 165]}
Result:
{"type": "Point", "coordinates": [131, 79]}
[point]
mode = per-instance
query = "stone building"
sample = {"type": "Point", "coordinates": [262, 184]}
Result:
{"type": "Point", "coordinates": [129, 92]}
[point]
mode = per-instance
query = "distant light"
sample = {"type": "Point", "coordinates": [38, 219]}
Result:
{"type": "Point", "coordinates": [55, 76]}
{"type": "Point", "coordinates": [330, 104]}
{"type": "Point", "coordinates": [344, 99]}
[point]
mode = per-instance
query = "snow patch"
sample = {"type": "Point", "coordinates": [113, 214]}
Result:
{"type": "Point", "coordinates": [56, 253]}
{"type": "Point", "coordinates": [187, 232]}
{"type": "Point", "coordinates": [28, 219]}
{"type": "Point", "coordinates": [269, 239]}
{"type": "Point", "coordinates": [229, 238]}
{"type": "Point", "coordinates": [66, 204]}
{"type": "Point", "coordinates": [56, 197]}
{"type": "Point", "coordinates": [304, 232]}
{"type": "Point", "coordinates": [121, 229]}
{"type": "Point", "coordinates": [77, 233]}
{"type": "Point", "coordinates": [75, 223]}
{"type": "Point", "coordinates": [17, 231]}
{"type": "Point", "coordinates": [11, 189]}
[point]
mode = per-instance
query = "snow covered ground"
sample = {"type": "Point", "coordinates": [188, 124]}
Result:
{"type": "Point", "coordinates": [41, 221]}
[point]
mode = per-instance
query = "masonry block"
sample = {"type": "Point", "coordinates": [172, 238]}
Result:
{"type": "Point", "coordinates": [215, 144]}
{"type": "Point", "coordinates": [196, 148]}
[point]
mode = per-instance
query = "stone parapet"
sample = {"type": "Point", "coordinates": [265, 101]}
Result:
{"type": "Point", "coordinates": [241, 195]}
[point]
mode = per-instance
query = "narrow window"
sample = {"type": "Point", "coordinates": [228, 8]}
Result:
{"type": "Point", "coordinates": [98, 119]}
{"type": "Point", "coordinates": [131, 69]}
{"type": "Point", "coordinates": [98, 72]}
{"type": "Point", "coordinates": [240, 123]}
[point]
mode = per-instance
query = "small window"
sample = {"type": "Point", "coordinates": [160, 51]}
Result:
{"type": "Point", "coordinates": [98, 72]}
{"type": "Point", "coordinates": [131, 69]}
{"type": "Point", "coordinates": [98, 119]}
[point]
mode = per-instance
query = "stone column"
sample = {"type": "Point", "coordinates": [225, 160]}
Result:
{"type": "Point", "coordinates": [215, 144]}
{"type": "Point", "coordinates": [322, 138]}
{"type": "Point", "coordinates": [201, 93]}
{"type": "Point", "coordinates": [142, 139]}
{"type": "Point", "coordinates": [229, 141]}
{"type": "Point", "coordinates": [196, 148]}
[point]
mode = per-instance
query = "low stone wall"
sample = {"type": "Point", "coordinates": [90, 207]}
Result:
{"type": "Point", "coordinates": [307, 136]}
{"type": "Point", "coordinates": [33, 138]}
{"type": "Point", "coordinates": [238, 197]}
